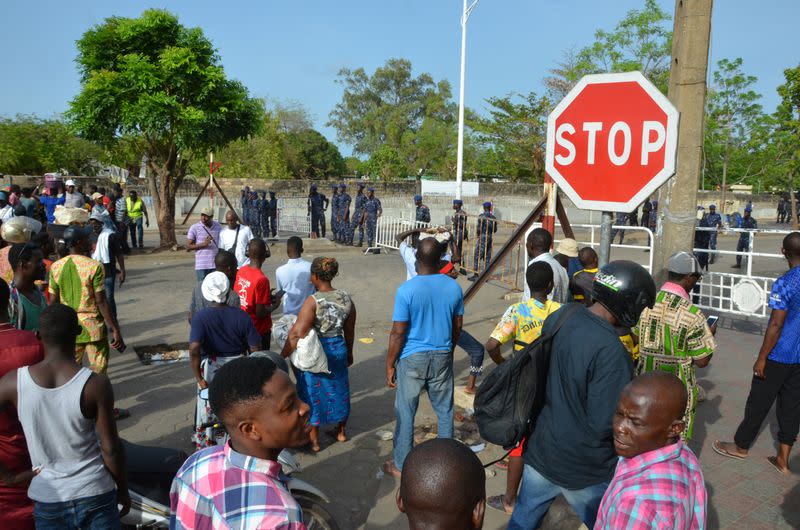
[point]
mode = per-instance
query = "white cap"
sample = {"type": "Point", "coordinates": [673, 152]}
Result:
{"type": "Point", "coordinates": [70, 182]}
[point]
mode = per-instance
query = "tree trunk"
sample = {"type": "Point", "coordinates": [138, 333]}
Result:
{"type": "Point", "coordinates": [724, 178]}
{"type": "Point", "coordinates": [792, 203]}
{"type": "Point", "coordinates": [163, 181]}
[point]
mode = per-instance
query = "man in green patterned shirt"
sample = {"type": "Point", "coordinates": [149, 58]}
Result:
{"type": "Point", "coordinates": [674, 336]}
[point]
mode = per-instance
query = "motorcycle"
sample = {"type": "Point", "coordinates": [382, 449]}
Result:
{"type": "Point", "coordinates": [150, 474]}
{"type": "Point", "coordinates": [151, 470]}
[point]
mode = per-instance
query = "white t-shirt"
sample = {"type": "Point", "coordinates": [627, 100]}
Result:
{"type": "Point", "coordinates": [294, 279]}
{"type": "Point", "coordinates": [409, 255]}
{"type": "Point", "coordinates": [560, 292]}
{"type": "Point", "coordinates": [227, 238]}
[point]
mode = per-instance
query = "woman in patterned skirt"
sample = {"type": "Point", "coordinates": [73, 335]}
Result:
{"type": "Point", "coordinates": [332, 314]}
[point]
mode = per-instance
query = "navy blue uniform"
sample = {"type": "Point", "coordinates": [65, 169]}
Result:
{"type": "Point", "coordinates": [271, 216]}
{"type": "Point", "coordinates": [485, 228]}
{"type": "Point", "coordinates": [343, 217]}
{"type": "Point", "coordinates": [372, 208]}
{"type": "Point", "coordinates": [459, 233]}
{"type": "Point", "coordinates": [358, 213]}
{"type": "Point", "coordinates": [744, 237]}
{"type": "Point", "coordinates": [317, 203]}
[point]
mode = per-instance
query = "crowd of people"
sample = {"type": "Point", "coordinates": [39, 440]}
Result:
{"type": "Point", "coordinates": [612, 437]}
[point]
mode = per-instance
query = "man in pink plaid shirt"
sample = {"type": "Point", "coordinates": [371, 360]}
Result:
{"type": "Point", "coordinates": [658, 482]}
{"type": "Point", "coordinates": [238, 486]}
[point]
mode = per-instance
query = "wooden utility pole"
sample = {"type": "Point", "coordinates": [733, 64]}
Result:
{"type": "Point", "coordinates": [677, 205]}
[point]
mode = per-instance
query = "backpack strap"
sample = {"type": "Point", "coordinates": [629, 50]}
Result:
{"type": "Point", "coordinates": [562, 315]}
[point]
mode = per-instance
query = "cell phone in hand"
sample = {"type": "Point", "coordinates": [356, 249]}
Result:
{"type": "Point", "coordinates": [712, 320]}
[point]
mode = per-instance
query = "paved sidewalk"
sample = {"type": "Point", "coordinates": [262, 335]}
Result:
{"type": "Point", "coordinates": [153, 308]}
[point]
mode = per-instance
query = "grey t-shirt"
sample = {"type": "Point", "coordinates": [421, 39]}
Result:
{"type": "Point", "coordinates": [74, 200]}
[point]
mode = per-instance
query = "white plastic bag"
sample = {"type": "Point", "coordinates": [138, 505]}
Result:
{"type": "Point", "coordinates": [280, 330]}
{"type": "Point", "coordinates": [309, 355]}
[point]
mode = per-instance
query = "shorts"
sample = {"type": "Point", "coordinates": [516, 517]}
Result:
{"type": "Point", "coordinates": [96, 351]}
{"type": "Point", "coordinates": [517, 451]}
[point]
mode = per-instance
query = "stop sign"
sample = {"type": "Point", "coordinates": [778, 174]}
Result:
{"type": "Point", "coordinates": [612, 141]}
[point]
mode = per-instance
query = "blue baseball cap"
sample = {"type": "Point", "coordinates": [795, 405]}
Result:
{"type": "Point", "coordinates": [361, 185]}
{"type": "Point", "coordinates": [712, 207]}
{"type": "Point", "coordinates": [370, 189]}
{"type": "Point", "coordinates": [458, 202]}
{"type": "Point", "coordinates": [487, 204]}
{"type": "Point", "coordinates": [417, 198]}
{"type": "Point", "coordinates": [748, 209]}
{"type": "Point", "coordinates": [313, 186]}
{"type": "Point", "coordinates": [334, 186]}
{"type": "Point", "coordinates": [343, 185]}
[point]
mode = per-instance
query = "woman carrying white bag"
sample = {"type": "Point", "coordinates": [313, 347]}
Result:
{"type": "Point", "coordinates": [323, 335]}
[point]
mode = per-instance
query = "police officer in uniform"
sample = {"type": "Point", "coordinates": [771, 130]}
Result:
{"type": "Point", "coordinates": [244, 204]}
{"type": "Point", "coordinates": [317, 204]}
{"type": "Point", "coordinates": [358, 214]}
{"type": "Point", "coordinates": [259, 221]}
{"type": "Point", "coordinates": [748, 223]}
{"type": "Point", "coordinates": [271, 226]}
{"type": "Point", "coordinates": [334, 211]}
{"type": "Point", "coordinates": [343, 216]}
{"type": "Point", "coordinates": [485, 228]}
{"type": "Point", "coordinates": [423, 213]}
{"type": "Point", "coordinates": [713, 219]}
{"type": "Point", "coordinates": [459, 231]}
{"type": "Point", "coordinates": [372, 210]}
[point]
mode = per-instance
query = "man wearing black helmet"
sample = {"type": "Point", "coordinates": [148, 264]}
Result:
{"type": "Point", "coordinates": [571, 450]}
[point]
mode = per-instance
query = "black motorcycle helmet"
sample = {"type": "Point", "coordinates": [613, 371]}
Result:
{"type": "Point", "coordinates": [625, 288]}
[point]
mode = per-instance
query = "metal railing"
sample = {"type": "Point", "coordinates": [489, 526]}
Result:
{"type": "Point", "coordinates": [744, 293]}
{"type": "Point", "coordinates": [298, 224]}
{"type": "Point", "coordinates": [389, 227]}
{"type": "Point", "coordinates": [593, 240]}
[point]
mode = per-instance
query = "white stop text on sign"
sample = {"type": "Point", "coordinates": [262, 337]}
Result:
{"type": "Point", "coordinates": [653, 135]}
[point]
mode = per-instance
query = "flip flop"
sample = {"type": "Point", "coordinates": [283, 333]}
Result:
{"type": "Point", "coordinates": [498, 503]}
{"type": "Point", "coordinates": [774, 462]}
{"type": "Point", "coordinates": [502, 464]}
{"type": "Point", "coordinates": [720, 451]}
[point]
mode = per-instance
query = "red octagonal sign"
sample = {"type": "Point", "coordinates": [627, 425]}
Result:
{"type": "Point", "coordinates": [612, 141]}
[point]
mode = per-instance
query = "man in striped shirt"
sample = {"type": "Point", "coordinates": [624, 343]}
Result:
{"type": "Point", "coordinates": [658, 482]}
{"type": "Point", "coordinates": [238, 485]}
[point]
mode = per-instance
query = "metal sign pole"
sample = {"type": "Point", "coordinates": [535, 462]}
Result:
{"type": "Point", "coordinates": [605, 238]}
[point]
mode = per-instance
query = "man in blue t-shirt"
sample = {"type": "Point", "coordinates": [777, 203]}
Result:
{"type": "Point", "coordinates": [427, 319]}
{"type": "Point", "coordinates": [776, 373]}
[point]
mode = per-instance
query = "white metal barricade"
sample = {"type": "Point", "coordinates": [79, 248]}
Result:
{"type": "Point", "coordinates": [388, 228]}
{"type": "Point", "coordinates": [744, 293]}
{"type": "Point", "coordinates": [299, 224]}
{"type": "Point", "coordinates": [594, 240]}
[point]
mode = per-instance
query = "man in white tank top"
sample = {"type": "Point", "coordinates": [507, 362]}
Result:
{"type": "Point", "coordinates": [64, 410]}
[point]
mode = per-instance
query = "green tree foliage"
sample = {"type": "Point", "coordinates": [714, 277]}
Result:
{"type": "Point", "coordinates": [311, 156]}
{"type": "Point", "coordinates": [386, 163]}
{"type": "Point", "coordinates": [413, 117]}
{"type": "Point", "coordinates": [32, 146]}
{"type": "Point", "coordinates": [162, 85]}
{"type": "Point", "coordinates": [513, 136]}
{"type": "Point", "coordinates": [261, 155]}
{"type": "Point", "coordinates": [786, 137]}
{"type": "Point", "coordinates": [641, 41]}
{"type": "Point", "coordinates": [736, 128]}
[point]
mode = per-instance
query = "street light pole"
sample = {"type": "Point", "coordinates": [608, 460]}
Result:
{"type": "Point", "coordinates": [460, 154]}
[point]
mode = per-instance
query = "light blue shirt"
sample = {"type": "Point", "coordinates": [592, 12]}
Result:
{"type": "Point", "coordinates": [295, 279]}
{"type": "Point", "coordinates": [428, 303]}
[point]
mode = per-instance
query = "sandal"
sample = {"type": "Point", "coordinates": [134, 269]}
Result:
{"type": "Point", "coordinates": [773, 460]}
{"type": "Point", "coordinates": [498, 502]}
{"type": "Point", "coordinates": [724, 452]}
{"type": "Point", "coordinates": [502, 464]}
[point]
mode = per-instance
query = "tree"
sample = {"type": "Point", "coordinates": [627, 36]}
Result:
{"type": "Point", "coordinates": [733, 113]}
{"type": "Point", "coordinates": [161, 85]}
{"type": "Point", "coordinates": [514, 134]}
{"type": "Point", "coordinates": [641, 41]}
{"type": "Point", "coordinates": [413, 116]}
{"type": "Point", "coordinates": [386, 163]}
{"type": "Point", "coordinates": [33, 146]}
{"type": "Point", "coordinates": [787, 131]}
{"type": "Point", "coordinates": [261, 155]}
{"type": "Point", "coordinates": [311, 156]}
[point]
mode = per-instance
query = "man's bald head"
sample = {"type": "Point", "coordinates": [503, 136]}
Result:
{"type": "Point", "coordinates": [429, 252]}
{"type": "Point", "coordinates": [649, 413]}
{"type": "Point", "coordinates": [791, 246]}
{"type": "Point", "coordinates": [588, 258]}
{"type": "Point", "coordinates": [443, 486]}
{"type": "Point", "coordinates": [539, 241]}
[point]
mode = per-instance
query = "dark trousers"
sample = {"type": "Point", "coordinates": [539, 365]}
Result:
{"type": "Point", "coordinates": [122, 232]}
{"type": "Point", "coordinates": [742, 246]}
{"type": "Point", "coordinates": [781, 381]}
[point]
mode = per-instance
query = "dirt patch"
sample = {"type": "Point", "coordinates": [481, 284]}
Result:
{"type": "Point", "coordinates": [162, 353]}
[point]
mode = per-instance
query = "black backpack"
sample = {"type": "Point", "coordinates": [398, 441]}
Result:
{"type": "Point", "coordinates": [510, 398]}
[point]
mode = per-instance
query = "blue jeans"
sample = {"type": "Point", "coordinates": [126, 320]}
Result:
{"type": "Point", "coordinates": [429, 370]}
{"type": "Point", "coordinates": [474, 349]}
{"type": "Point", "coordinates": [136, 227]}
{"type": "Point", "coordinates": [202, 273]}
{"type": "Point", "coordinates": [88, 513]}
{"type": "Point", "coordinates": [110, 285]}
{"type": "Point", "coordinates": [538, 493]}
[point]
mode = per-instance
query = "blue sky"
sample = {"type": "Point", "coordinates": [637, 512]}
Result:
{"type": "Point", "coordinates": [292, 50]}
